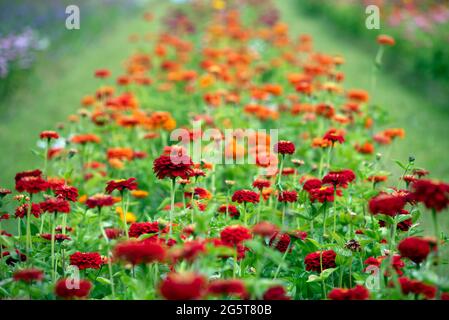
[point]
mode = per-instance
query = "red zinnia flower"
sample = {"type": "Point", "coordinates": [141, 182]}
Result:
{"type": "Point", "coordinates": [235, 234]}
{"type": "Point", "coordinates": [28, 275]}
{"type": "Point", "coordinates": [414, 248]}
{"type": "Point", "coordinates": [86, 260]}
{"type": "Point", "coordinates": [164, 167]}
{"type": "Point", "coordinates": [280, 241]}
{"type": "Point", "coordinates": [120, 185]}
{"type": "Point", "coordinates": [276, 293]}
{"type": "Point", "coordinates": [49, 135]}
{"type": "Point", "coordinates": [190, 250]}
{"type": "Point", "coordinates": [261, 183]}
{"type": "Point", "coordinates": [59, 237]}
{"type": "Point", "coordinates": [183, 286]}
{"type": "Point", "coordinates": [4, 216]}
{"type": "Point", "coordinates": [265, 229]}
{"type": "Point", "coordinates": [113, 233]}
{"type": "Point", "coordinates": [298, 234]}
{"type": "Point", "coordinates": [137, 252]}
{"type": "Point", "coordinates": [138, 228]}
{"type": "Point", "coordinates": [244, 196]}
{"type": "Point", "coordinates": [67, 192]}
{"type": "Point", "coordinates": [102, 73]}
{"type": "Point", "coordinates": [320, 260]}
{"type": "Point", "coordinates": [417, 287]}
{"type": "Point", "coordinates": [200, 193]}
{"type": "Point", "coordinates": [357, 293]}
{"type": "Point", "coordinates": [333, 136]}
{"type": "Point", "coordinates": [30, 173]}
{"type": "Point", "coordinates": [230, 209]}
{"type": "Point", "coordinates": [388, 204]}
{"type": "Point", "coordinates": [339, 178]}
{"type": "Point", "coordinates": [53, 205]}
{"type": "Point", "coordinates": [31, 184]}
{"type": "Point", "coordinates": [68, 289]}
{"type": "Point", "coordinates": [99, 200]}
{"type": "Point", "coordinates": [10, 260]}
{"type": "Point", "coordinates": [284, 147]}
{"type": "Point", "coordinates": [22, 210]}
{"type": "Point", "coordinates": [288, 196]}
{"type": "Point", "coordinates": [228, 287]}
{"type": "Point", "coordinates": [312, 184]}
{"type": "Point", "coordinates": [324, 194]}
{"type": "Point", "coordinates": [434, 194]}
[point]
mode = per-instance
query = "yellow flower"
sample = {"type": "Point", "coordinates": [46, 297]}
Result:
{"type": "Point", "coordinates": [130, 217]}
{"type": "Point", "coordinates": [218, 4]}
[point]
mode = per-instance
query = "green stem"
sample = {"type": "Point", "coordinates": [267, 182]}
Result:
{"type": "Point", "coordinates": [283, 259]}
{"type": "Point", "coordinates": [172, 204]}
{"type": "Point", "coordinates": [437, 233]}
{"type": "Point", "coordinates": [111, 278]}
{"type": "Point", "coordinates": [28, 243]}
{"type": "Point", "coordinates": [334, 209]}
{"type": "Point", "coordinates": [125, 212]}
{"type": "Point", "coordinates": [324, 219]}
{"type": "Point", "coordinates": [281, 167]}
{"type": "Point", "coordinates": [53, 234]}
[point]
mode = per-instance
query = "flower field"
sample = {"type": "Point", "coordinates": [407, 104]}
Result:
{"type": "Point", "coordinates": [228, 160]}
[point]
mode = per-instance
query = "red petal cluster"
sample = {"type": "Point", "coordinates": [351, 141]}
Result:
{"type": "Point", "coordinates": [86, 260]}
{"type": "Point", "coordinates": [284, 147]}
{"type": "Point", "coordinates": [66, 289]}
{"type": "Point", "coordinates": [357, 293]}
{"type": "Point", "coordinates": [137, 252]}
{"type": "Point", "coordinates": [434, 195]}
{"type": "Point", "coordinates": [241, 196]}
{"type": "Point", "coordinates": [320, 260]}
{"type": "Point", "coordinates": [120, 185]}
{"type": "Point", "coordinates": [416, 249]}
{"type": "Point", "coordinates": [183, 286]}
{"type": "Point", "coordinates": [164, 167]}
{"type": "Point", "coordinates": [234, 235]}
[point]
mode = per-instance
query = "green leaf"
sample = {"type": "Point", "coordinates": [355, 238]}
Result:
{"type": "Point", "coordinates": [104, 281]}
{"type": "Point", "coordinates": [326, 273]}
{"type": "Point", "coordinates": [399, 163]}
{"type": "Point", "coordinates": [313, 278]}
{"type": "Point", "coordinates": [315, 243]}
{"type": "Point", "coordinates": [402, 217]}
